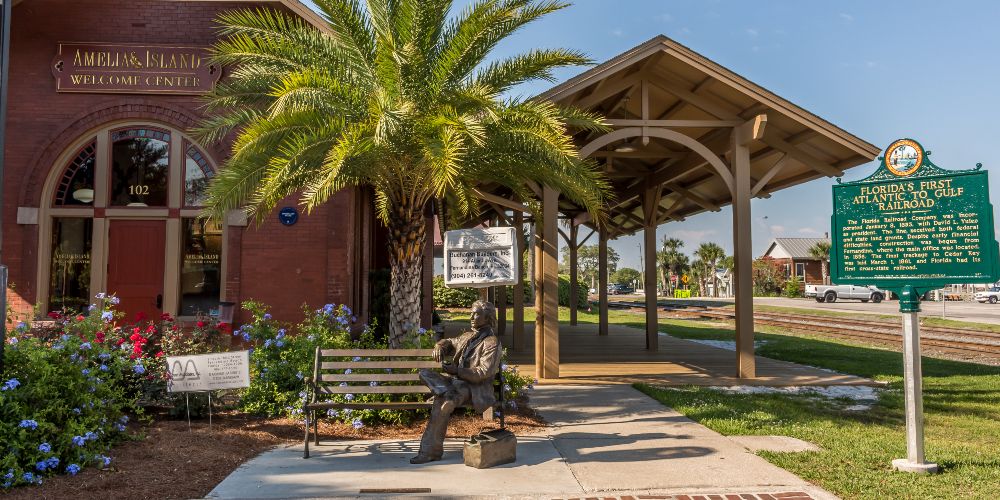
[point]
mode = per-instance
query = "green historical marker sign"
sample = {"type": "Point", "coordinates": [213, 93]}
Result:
{"type": "Point", "coordinates": [913, 223]}
{"type": "Point", "coordinates": [911, 227]}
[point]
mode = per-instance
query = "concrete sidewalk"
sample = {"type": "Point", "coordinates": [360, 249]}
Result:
{"type": "Point", "coordinates": [606, 440]}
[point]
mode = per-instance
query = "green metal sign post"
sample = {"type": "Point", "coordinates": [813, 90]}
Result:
{"type": "Point", "coordinates": [908, 228]}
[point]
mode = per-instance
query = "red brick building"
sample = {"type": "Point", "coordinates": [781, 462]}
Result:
{"type": "Point", "coordinates": [102, 181]}
{"type": "Point", "coordinates": [792, 254]}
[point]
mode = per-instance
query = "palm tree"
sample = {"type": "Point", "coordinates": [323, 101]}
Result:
{"type": "Point", "coordinates": [671, 260]}
{"type": "Point", "coordinates": [821, 251]}
{"type": "Point", "coordinates": [710, 255]}
{"type": "Point", "coordinates": [395, 96]}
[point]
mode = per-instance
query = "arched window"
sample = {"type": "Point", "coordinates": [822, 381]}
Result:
{"type": "Point", "coordinates": [122, 217]}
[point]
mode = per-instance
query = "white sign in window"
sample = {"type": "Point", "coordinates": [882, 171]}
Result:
{"type": "Point", "coordinates": [208, 372]}
{"type": "Point", "coordinates": [479, 258]}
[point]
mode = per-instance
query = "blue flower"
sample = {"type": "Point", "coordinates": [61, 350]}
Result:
{"type": "Point", "coordinates": [106, 461]}
{"type": "Point", "coordinates": [41, 465]}
{"type": "Point", "coordinates": [10, 384]}
{"type": "Point", "coordinates": [331, 412]}
{"type": "Point", "coordinates": [90, 435]}
{"type": "Point", "coordinates": [246, 337]}
{"type": "Point", "coordinates": [298, 375]}
{"type": "Point", "coordinates": [347, 412]}
{"type": "Point", "coordinates": [345, 309]}
{"type": "Point", "coordinates": [348, 371]}
{"type": "Point", "coordinates": [357, 358]}
{"type": "Point", "coordinates": [267, 316]}
{"type": "Point", "coordinates": [311, 338]}
{"type": "Point", "coordinates": [103, 368]}
{"type": "Point", "coordinates": [85, 371]}
{"type": "Point", "coordinates": [139, 369]}
{"type": "Point", "coordinates": [120, 427]}
{"type": "Point", "coordinates": [349, 397]}
{"type": "Point", "coordinates": [267, 343]}
{"type": "Point", "coordinates": [343, 384]}
{"type": "Point", "coordinates": [107, 316]}
{"type": "Point", "coordinates": [85, 346]}
{"type": "Point", "coordinates": [114, 300]}
{"type": "Point", "coordinates": [76, 411]}
{"type": "Point", "coordinates": [44, 448]}
{"type": "Point", "coordinates": [28, 424]}
{"type": "Point", "coordinates": [124, 419]}
{"type": "Point", "coordinates": [105, 356]}
{"type": "Point", "coordinates": [79, 440]}
{"type": "Point", "coordinates": [22, 326]}
{"type": "Point", "coordinates": [373, 383]}
{"type": "Point", "coordinates": [12, 341]}
{"type": "Point", "coordinates": [101, 295]}
{"type": "Point", "coordinates": [357, 423]}
{"type": "Point", "coordinates": [281, 333]}
{"type": "Point", "coordinates": [72, 469]}
{"type": "Point", "coordinates": [29, 477]}
{"type": "Point", "coordinates": [52, 462]}
{"type": "Point", "coordinates": [279, 343]}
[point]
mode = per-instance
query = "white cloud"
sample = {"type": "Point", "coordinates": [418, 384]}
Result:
{"type": "Point", "coordinates": [752, 32]}
{"type": "Point", "coordinates": [810, 231]}
{"type": "Point", "coordinates": [617, 32]}
{"type": "Point", "coordinates": [870, 64]}
{"type": "Point", "coordinates": [846, 17]}
{"type": "Point", "coordinates": [777, 229]}
{"type": "Point", "coordinates": [666, 17]}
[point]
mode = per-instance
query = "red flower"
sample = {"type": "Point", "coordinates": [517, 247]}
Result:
{"type": "Point", "coordinates": [200, 324]}
{"type": "Point", "coordinates": [159, 354]}
{"type": "Point", "coordinates": [137, 348]}
{"type": "Point", "coordinates": [150, 329]}
{"type": "Point", "coordinates": [80, 317]}
{"type": "Point", "coordinates": [136, 330]}
{"type": "Point", "coordinates": [120, 342]}
{"type": "Point", "coordinates": [226, 327]}
{"type": "Point", "coordinates": [135, 337]}
{"type": "Point", "coordinates": [53, 315]}
{"type": "Point", "coordinates": [99, 337]}
{"type": "Point", "coordinates": [166, 317]}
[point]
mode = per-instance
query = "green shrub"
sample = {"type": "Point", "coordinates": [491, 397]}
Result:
{"type": "Point", "coordinates": [453, 297]}
{"type": "Point", "coordinates": [66, 400]}
{"type": "Point", "coordinates": [581, 292]}
{"type": "Point", "coordinates": [792, 288]}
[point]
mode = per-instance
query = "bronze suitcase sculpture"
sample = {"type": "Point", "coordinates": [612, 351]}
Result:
{"type": "Point", "coordinates": [491, 448]}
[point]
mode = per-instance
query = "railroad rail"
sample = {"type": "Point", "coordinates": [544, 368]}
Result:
{"type": "Point", "coordinates": [969, 342]}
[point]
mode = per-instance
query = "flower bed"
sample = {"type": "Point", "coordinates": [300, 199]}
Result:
{"type": "Point", "coordinates": [71, 387]}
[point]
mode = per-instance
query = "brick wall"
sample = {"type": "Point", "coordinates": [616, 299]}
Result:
{"type": "Point", "coordinates": [284, 266]}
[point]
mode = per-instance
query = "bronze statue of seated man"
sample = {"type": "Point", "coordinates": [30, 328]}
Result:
{"type": "Point", "coordinates": [470, 363]}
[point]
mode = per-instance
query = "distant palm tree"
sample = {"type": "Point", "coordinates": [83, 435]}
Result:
{"type": "Point", "coordinates": [821, 252]}
{"type": "Point", "coordinates": [671, 260]}
{"type": "Point", "coordinates": [710, 255]}
{"type": "Point", "coordinates": [397, 97]}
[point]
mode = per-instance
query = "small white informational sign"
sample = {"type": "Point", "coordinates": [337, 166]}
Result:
{"type": "Point", "coordinates": [208, 372]}
{"type": "Point", "coordinates": [479, 258]}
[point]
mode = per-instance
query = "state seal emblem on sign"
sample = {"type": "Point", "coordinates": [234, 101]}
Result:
{"type": "Point", "coordinates": [904, 157]}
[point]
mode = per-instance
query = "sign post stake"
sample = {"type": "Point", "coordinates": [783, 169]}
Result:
{"type": "Point", "coordinates": [187, 405]}
{"type": "Point", "coordinates": [210, 417]}
{"type": "Point", "coordinates": [909, 306]}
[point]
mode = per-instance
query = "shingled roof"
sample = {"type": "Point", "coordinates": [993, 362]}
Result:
{"type": "Point", "coordinates": [796, 248]}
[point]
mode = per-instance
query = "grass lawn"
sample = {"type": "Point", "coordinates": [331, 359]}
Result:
{"type": "Point", "coordinates": [961, 402]}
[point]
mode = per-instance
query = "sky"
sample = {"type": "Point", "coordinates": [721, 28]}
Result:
{"type": "Point", "coordinates": [927, 70]}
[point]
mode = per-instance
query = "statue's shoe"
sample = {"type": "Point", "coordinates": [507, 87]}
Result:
{"type": "Point", "coordinates": [423, 459]}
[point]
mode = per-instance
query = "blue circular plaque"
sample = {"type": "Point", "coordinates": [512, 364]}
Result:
{"type": "Point", "coordinates": [288, 216]}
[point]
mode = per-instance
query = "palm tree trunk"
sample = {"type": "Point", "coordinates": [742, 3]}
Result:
{"type": "Point", "coordinates": [407, 233]}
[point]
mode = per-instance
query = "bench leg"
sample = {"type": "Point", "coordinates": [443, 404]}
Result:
{"type": "Point", "coordinates": [315, 429]}
{"type": "Point", "coordinates": [488, 414]}
{"type": "Point", "coordinates": [305, 453]}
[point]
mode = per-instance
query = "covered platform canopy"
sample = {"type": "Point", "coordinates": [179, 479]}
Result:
{"type": "Point", "coordinates": [687, 136]}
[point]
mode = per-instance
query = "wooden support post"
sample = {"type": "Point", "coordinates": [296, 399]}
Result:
{"type": "Point", "coordinates": [518, 326]}
{"type": "Point", "coordinates": [550, 272]}
{"type": "Point", "coordinates": [742, 249]}
{"type": "Point", "coordinates": [574, 283]}
{"type": "Point", "coordinates": [539, 298]}
{"type": "Point", "coordinates": [501, 295]}
{"type": "Point", "coordinates": [602, 281]}
{"type": "Point", "coordinates": [650, 200]}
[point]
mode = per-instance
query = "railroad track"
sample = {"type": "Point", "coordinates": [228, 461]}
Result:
{"type": "Point", "coordinates": [966, 341]}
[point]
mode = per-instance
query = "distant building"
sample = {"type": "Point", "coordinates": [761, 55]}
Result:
{"type": "Point", "coordinates": [792, 254]}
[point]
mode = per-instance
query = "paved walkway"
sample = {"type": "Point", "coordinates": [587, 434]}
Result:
{"type": "Point", "coordinates": [604, 441]}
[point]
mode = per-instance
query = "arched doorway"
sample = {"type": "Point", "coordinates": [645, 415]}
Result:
{"type": "Point", "coordinates": [119, 214]}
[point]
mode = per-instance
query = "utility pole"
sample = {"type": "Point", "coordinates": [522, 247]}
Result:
{"type": "Point", "coordinates": [4, 71]}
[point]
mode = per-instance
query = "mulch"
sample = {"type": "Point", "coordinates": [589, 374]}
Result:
{"type": "Point", "coordinates": [166, 460]}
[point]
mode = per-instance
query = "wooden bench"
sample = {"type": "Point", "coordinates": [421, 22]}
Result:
{"type": "Point", "coordinates": [393, 370]}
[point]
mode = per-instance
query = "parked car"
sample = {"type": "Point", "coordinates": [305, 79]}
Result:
{"type": "Point", "coordinates": [620, 289]}
{"type": "Point", "coordinates": [832, 293]}
{"type": "Point", "coordinates": [992, 296]}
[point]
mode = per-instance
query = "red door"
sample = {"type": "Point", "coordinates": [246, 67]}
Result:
{"type": "Point", "coordinates": [135, 266]}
